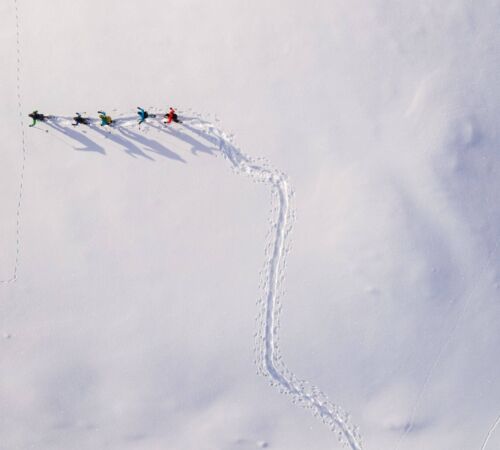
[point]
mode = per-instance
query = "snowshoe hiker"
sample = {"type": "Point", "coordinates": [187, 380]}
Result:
{"type": "Point", "coordinates": [171, 116]}
{"type": "Point", "coordinates": [35, 115]}
{"type": "Point", "coordinates": [143, 115]}
{"type": "Point", "coordinates": [105, 119]}
{"type": "Point", "coordinates": [80, 120]}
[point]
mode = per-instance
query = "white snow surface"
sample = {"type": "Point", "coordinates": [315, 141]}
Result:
{"type": "Point", "coordinates": [128, 320]}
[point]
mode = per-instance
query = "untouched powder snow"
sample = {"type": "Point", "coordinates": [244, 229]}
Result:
{"type": "Point", "coordinates": [130, 257]}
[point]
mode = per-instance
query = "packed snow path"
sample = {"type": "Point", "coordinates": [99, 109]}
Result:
{"type": "Point", "coordinates": [268, 358]}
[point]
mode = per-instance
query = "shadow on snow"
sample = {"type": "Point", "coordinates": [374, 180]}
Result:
{"type": "Point", "coordinates": [132, 143]}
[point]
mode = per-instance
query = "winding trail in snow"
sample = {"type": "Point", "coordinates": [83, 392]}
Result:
{"type": "Point", "coordinates": [15, 269]}
{"type": "Point", "coordinates": [268, 357]}
{"type": "Point", "coordinates": [269, 361]}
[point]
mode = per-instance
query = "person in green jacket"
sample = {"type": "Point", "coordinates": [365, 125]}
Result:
{"type": "Point", "coordinates": [35, 115]}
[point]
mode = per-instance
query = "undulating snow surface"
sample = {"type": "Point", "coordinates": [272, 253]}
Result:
{"type": "Point", "coordinates": [131, 321]}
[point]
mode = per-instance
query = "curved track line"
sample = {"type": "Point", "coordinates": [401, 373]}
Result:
{"type": "Point", "coordinates": [13, 278]}
{"type": "Point", "coordinates": [268, 358]}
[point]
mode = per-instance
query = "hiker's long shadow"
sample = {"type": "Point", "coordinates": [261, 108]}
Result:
{"type": "Point", "coordinates": [196, 146]}
{"type": "Point", "coordinates": [150, 144]}
{"type": "Point", "coordinates": [129, 147]}
{"type": "Point", "coordinates": [88, 144]}
{"type": "Point", "coordinates": [128, 140]}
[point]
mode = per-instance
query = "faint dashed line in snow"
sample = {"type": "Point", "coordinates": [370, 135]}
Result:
{"type": "Point", "coordinates": [490, 433]}
{"type": "Point", "coordinates": [268, 357]}
{"type": "Point", "coordinates": [23, 148]}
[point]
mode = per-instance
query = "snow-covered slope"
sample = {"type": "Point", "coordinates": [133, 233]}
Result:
{"type": "Point", "coordinates": [131, 322]}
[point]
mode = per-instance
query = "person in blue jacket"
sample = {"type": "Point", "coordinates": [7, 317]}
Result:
{"type": "Point", "coordinates": [143, 115]}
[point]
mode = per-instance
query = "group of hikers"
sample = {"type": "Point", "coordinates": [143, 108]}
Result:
{"type": "Point", "coordinates": [106, 120]}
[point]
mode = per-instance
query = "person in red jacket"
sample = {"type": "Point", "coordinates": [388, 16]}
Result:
{"type": "Point", "coordinates": [171, 116]}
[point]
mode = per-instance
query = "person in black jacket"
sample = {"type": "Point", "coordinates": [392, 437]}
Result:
{"type": "Point", "coordinates": [35, 115]}
{"type": "Point", "coordinates": [80, 120]}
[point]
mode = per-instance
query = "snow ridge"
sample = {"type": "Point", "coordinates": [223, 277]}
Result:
{"type": "Point", "coordinates": [13, 278]}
